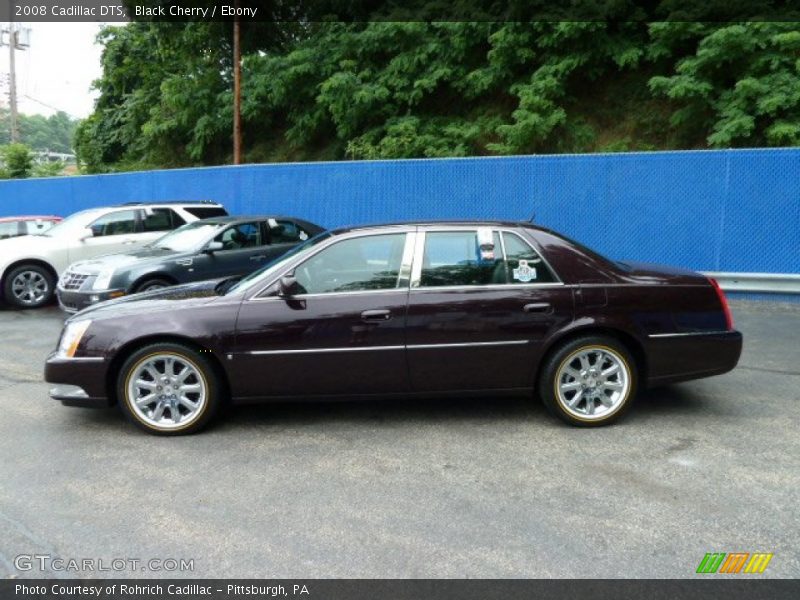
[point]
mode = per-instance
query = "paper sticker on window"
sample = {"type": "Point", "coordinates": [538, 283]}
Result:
{"type": "Point", "coordinates": [486, 243]}
{"type": "Point", "coordinates": [524, 272]}
{"type": "Point", "coordinates": [303, 235]}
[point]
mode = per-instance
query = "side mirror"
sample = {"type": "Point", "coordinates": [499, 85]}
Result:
{"type": "Point", "coordinates": [287, 286]}
{"type": "Point", "coordinates": [86, 234]}
{"type": "Point", "coordinates": [213, 247]}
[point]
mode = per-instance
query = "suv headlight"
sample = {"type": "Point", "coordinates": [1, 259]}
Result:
{"type": "Point", "coordinates": [103, 280]}
{"type": "Point", "coordinates": [71, 337]}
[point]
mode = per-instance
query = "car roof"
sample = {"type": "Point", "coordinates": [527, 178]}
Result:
{"type": "Point", "coordinates": [171, 203]}
{"type": "Point", "coordinates": [468, 223]}
{"type": "Point", "coordinates": [29, 218]}
{"type": "Point", "coordinates": [248, 218]}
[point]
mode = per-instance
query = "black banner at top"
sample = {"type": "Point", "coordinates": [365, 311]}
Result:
{"type": "Point", "coordinates": [399, 10]}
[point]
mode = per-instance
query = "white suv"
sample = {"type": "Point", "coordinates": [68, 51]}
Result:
{"type": "Point", "coordinates": [30, 265]}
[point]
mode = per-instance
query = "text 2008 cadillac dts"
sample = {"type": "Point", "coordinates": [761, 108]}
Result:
{"type": "Point", "coordinates": [428, 308]}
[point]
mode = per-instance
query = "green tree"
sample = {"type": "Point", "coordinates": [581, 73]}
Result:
{"type": "Point", "coordinates": [17, 161]}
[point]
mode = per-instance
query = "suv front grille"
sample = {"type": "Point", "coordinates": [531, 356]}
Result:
{"type": "Point", "coordinates": [72, 281]}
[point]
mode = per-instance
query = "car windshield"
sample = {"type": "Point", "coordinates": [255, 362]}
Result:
{"type": "Point", "coordinates": [273, 267]}
{"type": "Point", "coordinates": [187, 238]}
{"type": "Point", "coordinates": [71, 225]}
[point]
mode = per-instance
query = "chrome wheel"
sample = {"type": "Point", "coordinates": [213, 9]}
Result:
{"type": "Point", "coordinates": [30, 287]}
{"type": "Point", "coordinates": [166, 391]}
{"type": "Point", "coordinates": [592, 383]}
{"type": "Point", "coordinates": [152, 286]}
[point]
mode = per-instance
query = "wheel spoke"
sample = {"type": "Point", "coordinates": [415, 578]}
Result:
{"type": "Point", "coordinates": [572, 385]}
{"type": "Point", "coordinates": [572, 402]}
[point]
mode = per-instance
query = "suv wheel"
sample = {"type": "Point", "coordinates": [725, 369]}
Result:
{"type": "Point", "coordinates": [168, 389]}
{"type": "Point", "coordinates": [28, 286]}
{"type": "Point", "coordinates": [589, 381]}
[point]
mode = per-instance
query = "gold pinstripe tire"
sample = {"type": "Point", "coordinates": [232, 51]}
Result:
{"type": "Point", "coordinates": [589, 381]}
{"type": "Point", "coordinates": [168, 389]}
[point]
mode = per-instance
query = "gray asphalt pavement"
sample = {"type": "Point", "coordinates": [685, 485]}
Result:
{"type": "Point", "coordinates": [448, 488]}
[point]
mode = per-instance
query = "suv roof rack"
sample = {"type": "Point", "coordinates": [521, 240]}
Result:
{"type": "Point", "coordinates": [170, 202]}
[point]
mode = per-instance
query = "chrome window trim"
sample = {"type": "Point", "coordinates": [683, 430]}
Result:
{"type": "Point", "coordinates": [686, 334]}
{"type": "Point", "coordinates": [416, 272]}
{"type": "Point", "coordinates": [382, 348]}
{"type": "Point", "coordinates": [332, 240]}
{"type": "Point", "coordinates": [532, 247]}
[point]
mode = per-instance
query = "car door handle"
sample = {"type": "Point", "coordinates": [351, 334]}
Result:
{"type": "Point", "coordinates": [259, 257]}
{"type": "Point", "coordinates": [129, 241]}
{"type": "Point", "coordinates": [537, 307]}
{"type": "Point", "coordinates": [376, 315]}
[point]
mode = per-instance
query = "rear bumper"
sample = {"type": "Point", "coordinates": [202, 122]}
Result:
{"type": "Point", "coordinates": [78, 381]}
{"type": "Point", "coordinates": [685, 356]}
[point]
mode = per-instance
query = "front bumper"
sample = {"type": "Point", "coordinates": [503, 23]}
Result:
{"type": "Point", "coordinates": [78, 381]}
{"type": "Point", "coordinates": [73, 302]}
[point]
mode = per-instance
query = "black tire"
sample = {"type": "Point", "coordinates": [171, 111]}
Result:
{"type": "Point", "coordinates": [206, 374]}
{"type": "Point", "coordinates": [565, 360]}
{"type": "Point", "coordinates": [151, 284]}
{"type": "Point", "coordinates": [44, 278]}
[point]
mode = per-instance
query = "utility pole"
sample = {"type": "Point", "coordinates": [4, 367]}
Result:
{"type": "Point", "coordinates": [14, 44]}
{"type": "Point", "coordinates": [237, 89]}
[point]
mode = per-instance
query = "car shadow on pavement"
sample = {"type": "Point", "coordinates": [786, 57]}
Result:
{"type": "Point", "coordinates": [662, 402]}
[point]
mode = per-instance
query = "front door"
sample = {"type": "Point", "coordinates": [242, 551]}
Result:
{"type": "Point", "coordinates": [341, 332]}
{"type": "Point", "coordinates": [480, 303]}
{"type": "Point", "coordinates": [113, 232]}
{"type": "Point", "coordinates": [244, 250]}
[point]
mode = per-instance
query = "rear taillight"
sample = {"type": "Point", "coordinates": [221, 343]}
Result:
{"type": "Point", "coordinates": [724, 303]}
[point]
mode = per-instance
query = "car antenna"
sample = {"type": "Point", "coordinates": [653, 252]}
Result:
{"type": "Point", "coordinates": [533, 217]}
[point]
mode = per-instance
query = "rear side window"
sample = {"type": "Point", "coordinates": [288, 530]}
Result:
{"type": "Point", "coordinates": [358, 264]}
{"type": "Point", "coordinates": [286, 232]}
{"type": "Point", "coordinates": [116, 223]}
{"type": "Point", "coordinates": [206, 212]}
{"type": "Point", "coordinates": [523, 263]}
{"type": "Point", "coordinates": [455, 258]}
{"type": "Point", "coordinates": [37, 226]}
{"type": "Point", "coordinates": [162, 219]}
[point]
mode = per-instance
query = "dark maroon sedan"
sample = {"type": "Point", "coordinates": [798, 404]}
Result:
{"type": "Point", "coordinates": [433, 308]}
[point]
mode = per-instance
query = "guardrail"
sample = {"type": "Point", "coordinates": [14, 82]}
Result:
{"type": "Point", "coordinates": [770, 283]}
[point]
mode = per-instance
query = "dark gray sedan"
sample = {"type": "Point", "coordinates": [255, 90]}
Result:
{"type": "Point", "coordinates": [207, 249]}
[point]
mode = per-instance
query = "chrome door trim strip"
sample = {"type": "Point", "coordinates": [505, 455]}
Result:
{"type": "Point", "coordinates": [324, 350]}
{"type": "Point", "coordinates": [468, 344]}
{"type": "Point", "coordinates": [380, 348]}
{"type": "Point", "coordinates": [686, 334]}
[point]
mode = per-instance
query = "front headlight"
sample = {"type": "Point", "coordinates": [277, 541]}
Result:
{"type": "Point", "coordinates": [103, 280]}
{"type": "Point", "coordinates": [71, 337]}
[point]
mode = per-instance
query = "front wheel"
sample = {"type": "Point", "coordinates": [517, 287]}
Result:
{"type": "Point", "coordinates": [152, 284]}
{"type": "Point", "coordinates": [28, 286]}
{"type": "Point", "coordinates": [168, 389]}
{"type": "Point", "coordinates": [589, 381]}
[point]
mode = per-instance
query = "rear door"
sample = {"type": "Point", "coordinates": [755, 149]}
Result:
{"type": "Point", "coordinates": [481, 303]}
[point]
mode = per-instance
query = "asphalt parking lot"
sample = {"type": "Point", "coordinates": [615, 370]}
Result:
{"type": "Point", "coordinates": [448, 488]}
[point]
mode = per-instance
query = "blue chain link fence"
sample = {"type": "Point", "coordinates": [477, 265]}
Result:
{"type": "Point", "coordinates": [726, 210]}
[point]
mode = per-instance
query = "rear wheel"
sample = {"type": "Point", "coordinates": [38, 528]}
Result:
{"type": "Point", "coordinates": [28, 286]}
{"type": "Point", "coordinates": [168, 389]}
{"type": "Point", "coordinates": [152, 284]}
{"type": "Point", "coordinates": [589, 381]}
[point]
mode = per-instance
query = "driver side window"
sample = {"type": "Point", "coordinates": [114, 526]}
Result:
{"type": "Point", "coordinates": [358, 264]}
{"type": "Point", "coordinates": [243, 235]}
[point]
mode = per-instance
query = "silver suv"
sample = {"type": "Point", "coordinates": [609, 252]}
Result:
{"type": "Point", "coordinates": [30, 265]}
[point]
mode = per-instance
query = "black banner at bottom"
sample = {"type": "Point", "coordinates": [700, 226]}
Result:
{"type": "Point", "coordinates": [401, 589]}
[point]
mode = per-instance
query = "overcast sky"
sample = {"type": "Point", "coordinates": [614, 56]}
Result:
{"type": "Point", "coordinates": [57, 71]}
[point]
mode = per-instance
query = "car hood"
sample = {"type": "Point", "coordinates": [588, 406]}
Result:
{"type": "Point", "coordinates": [171, 298]}
{"type": "Point", "coordinates": [28, 245]}
{"type": "Point", "coordinates": [654, 273]}
{"type": "Point", "coordinates": [124, 259]}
